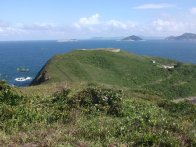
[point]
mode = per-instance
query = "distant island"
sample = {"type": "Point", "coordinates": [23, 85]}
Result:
{"type": "Point", "coordinates": [185, 36]}
{"type": "Point", "coordinates": [132, 38]}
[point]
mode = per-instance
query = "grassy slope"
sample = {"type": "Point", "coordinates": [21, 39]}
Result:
{"type": "Point", "coordinates": [124, 70]}
{"type": "Point", "coordinates": [42, 118]}
{"type": "Point", "coordinates": [101, 66]}
{"type": "Point", "coordinates": [52, 121]}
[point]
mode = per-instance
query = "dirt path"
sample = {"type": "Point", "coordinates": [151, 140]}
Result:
{"type": "Point", "coordinates": [191, 99]}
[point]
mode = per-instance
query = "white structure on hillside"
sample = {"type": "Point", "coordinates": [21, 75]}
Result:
{"type": "Point", "coordinates": [168, 67]}
{"type": "Point", "coordinates": [153, 61]}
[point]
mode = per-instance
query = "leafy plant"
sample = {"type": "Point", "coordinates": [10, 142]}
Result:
{"type": "Point", "coordinates": [104, 100]}
{"type": "Point", "coordinates": [7, 96]}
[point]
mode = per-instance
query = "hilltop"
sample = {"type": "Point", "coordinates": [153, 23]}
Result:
{"type": "Point", "coordinates": [185, 36]}
{"type": "Point", "coordinates": [132, 38]}
{"type": "Point", "coordinates": [165, 77]}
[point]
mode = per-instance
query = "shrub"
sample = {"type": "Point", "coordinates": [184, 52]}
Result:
{"type": "Point", "coordinates": [182, 108]}
{"type": "Point", "coordinates": [62, 97]}
{"type": "Point", "coordinates": [104, 100]}
{"type": "Point", "coordinates": [7, 95]}
{"type": "Point", "coordinates": [6, 112]}
{"type": "Point", "coordinates": [90, 100]}
{"type": "Point", "coordinates": [59, 106]}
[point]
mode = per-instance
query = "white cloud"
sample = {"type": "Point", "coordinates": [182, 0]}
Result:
{"type": "Point", "coordinates": [120, 25]}
{"type": "Point", "coordinates": [37, 26]}
{"type": "Point", "coordinates": [20, 27]}
{"type": "Point", "coordinates": [193, 10]}
{"type": "Point", "coordinates": [6, 28]}
{"type": "Point", "coordinates": [20, 31]}
{"type": "Point", "coordinates": [85, 26]}
{"type": "Point", "coordinates": [154, 6]}
{"type": "Point", "coordinates": [4, 24]}
{"type": "Point", "coordinates": [161, 26]}
{"type": "Point", "coordinates": [116, 24]}
{"type": "Point", "coordinates": [95, 24]}
{"type": "Point", "coordinates": [86, 21]}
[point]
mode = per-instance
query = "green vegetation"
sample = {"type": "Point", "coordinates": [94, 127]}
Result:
{"type": "Point", "coordinates": [94, 116]}
{"type": "Point", "coordinates": [100, 98]}
{"type": "Point", "coordinates": [121, 69]}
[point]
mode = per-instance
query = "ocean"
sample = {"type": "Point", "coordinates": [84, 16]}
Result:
{"type": "Point", "coordinates": [33, 55]}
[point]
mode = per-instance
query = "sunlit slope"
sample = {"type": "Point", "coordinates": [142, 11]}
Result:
{"type": "Point", "coordinates": [122, 69]}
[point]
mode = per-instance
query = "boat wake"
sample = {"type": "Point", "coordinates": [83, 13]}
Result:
{"type": "Point", "coordinates": [23, 79]}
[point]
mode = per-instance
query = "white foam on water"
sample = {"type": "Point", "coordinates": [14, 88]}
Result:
{"type": "Point", "coordinates": [22, 79]}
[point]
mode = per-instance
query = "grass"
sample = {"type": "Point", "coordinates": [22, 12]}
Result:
{"type": "Point", "coordinates": [96, 116]}
{"type": "Point", "coordinates": [124, 70]}
{"type": "Point", "coordinates": [98, 66]}
{"type": "Point", "coordinates": [98, 98]}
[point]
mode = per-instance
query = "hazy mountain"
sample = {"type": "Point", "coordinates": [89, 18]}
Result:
{"type": "Point", "coordinates": [132, 38]}
{"type": "Point", "coordinates": [185, 36]}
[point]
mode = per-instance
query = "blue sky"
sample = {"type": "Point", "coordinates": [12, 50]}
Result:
{"type": "Point", "coordinates": [63, 19]}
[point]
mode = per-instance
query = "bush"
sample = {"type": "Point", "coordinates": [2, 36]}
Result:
{"type": "Point", "coordinates": [7, 95]}
{"type": "Point", "coordinates": [62, 99]}
{"type": "Point", "coordinates": [90, 99]}
{"type": "Point", "coordinates": [184, 108]}
{"type": "Point", "coordinates": [6, 112]}
{"type": "Point", "coordinates": [104, 100]}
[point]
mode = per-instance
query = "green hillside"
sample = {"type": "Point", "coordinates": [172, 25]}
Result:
{"type": "Point", "coordinates": [101, 98]}
{"type": "Point", "coordinates": [93, 116]}
{"type": "Point", "coordinates": [122, 69]}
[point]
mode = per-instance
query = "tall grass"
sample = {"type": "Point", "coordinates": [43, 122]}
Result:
{"type": "Point", "coordinates": [94, 116]}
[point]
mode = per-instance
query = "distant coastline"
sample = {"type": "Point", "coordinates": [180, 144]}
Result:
{"type": "Point", "coordinates": [68, 40]}
{"type": "Point", "coordinates": [185, 36]}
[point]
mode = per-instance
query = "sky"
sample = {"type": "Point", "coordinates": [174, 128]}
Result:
{"type": "Point", "coordinates": [83, 19]}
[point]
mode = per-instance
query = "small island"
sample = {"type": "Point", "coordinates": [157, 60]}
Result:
{"type": "Point", "coordinates": [132, 38]}
{"type": "Point", "coordinates": [185, 36]}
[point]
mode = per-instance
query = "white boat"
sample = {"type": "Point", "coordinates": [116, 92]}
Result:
{"type": "Point", "coordinates": [23, 79]}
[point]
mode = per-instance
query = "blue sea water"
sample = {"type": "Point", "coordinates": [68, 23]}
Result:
{"type": "Point", "coordinates": [34, 54]}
